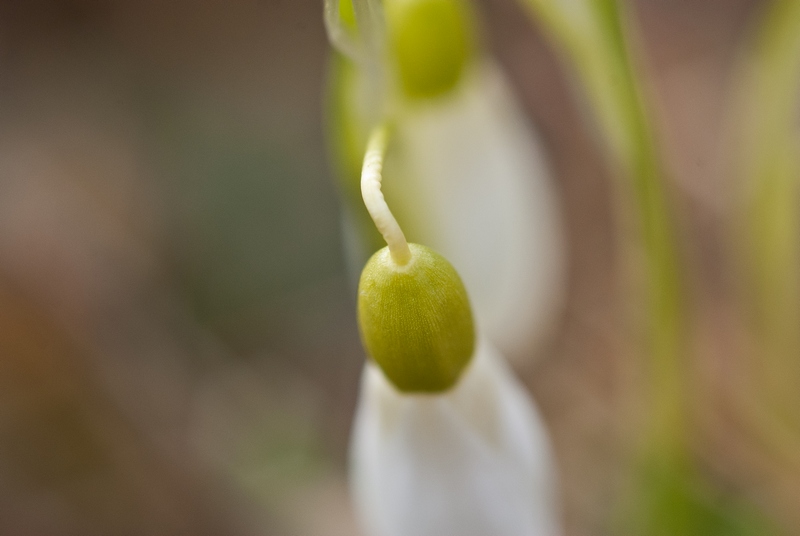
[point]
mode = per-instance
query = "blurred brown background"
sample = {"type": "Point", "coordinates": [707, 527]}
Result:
{"type": "Point", "coordinates": [178, 349]}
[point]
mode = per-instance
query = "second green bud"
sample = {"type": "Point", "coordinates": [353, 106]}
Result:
{"type": "Point", "coordinates": [431, 43]}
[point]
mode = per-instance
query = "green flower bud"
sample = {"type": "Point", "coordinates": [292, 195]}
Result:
{"type": "Point", "coordinates": [415, 319]}
{"type": "Point", "coordinates": [347, 14]}
{"type": "Point", "coordinates": [430, 43]}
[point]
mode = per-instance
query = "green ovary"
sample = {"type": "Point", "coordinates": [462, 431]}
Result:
{"type": "Point", "coordinates": [347, 14]}
{"type": "Point", "coordinates": [430, 43]}
{"type": "Point", "coordinates": [415, 320]}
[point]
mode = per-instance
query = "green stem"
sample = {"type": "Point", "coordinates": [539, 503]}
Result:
{"type": "Point", "coordinates": [772, 233]}
{"type": "Point", "coordinates": [592, 35]}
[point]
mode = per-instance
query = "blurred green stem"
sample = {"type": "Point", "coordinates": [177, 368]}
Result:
{"type": "Point", "coordinates": [772, 236]}
{"type": "Point", "coordinates": [592, 35]}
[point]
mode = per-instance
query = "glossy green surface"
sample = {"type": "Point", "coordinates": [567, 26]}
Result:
{"type": "Point", "coordinates": [415, 320]}
{"type": "Point", "coordinates": [430, 43]}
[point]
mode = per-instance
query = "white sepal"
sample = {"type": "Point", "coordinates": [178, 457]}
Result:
{"type": "Point", "coordinates": [473, 184]}
{"type": "Point", "coordinates": [338, 34]}
{"type": "Point", "coordinates": [474, 461]}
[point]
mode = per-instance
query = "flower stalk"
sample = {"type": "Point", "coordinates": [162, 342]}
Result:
{"type": "Point", "coordinates": [371, 177]}
{"type": "Point", "coordinates": [769, 232]}
{"type": "Point", "coordinates": [593, 37]}
{"type": "Point", "coordinates": [670, 494]}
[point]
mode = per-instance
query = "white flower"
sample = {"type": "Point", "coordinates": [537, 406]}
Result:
{"type": "Point", "coordinates": [473, 461]}
{"type": "Point", "coordinates": [460, 451]}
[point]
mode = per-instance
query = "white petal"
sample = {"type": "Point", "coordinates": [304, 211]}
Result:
{"type": "Point", "coordinates": [472, 462]}
{"type": "Point", "coordinates": [473, 185]}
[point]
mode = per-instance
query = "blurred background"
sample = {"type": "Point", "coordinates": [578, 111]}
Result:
{"type": "Point", "coordinates": [178, 346]}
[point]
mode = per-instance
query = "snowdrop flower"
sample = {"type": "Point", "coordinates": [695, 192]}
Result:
{"type": "Point", "coordinates": [445, 442]}
{"type": "Point", "coordinates": [464, 162]}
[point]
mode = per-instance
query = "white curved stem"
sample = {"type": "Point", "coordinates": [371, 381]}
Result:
{"type": "Point", "coordinates": [371, 176]}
